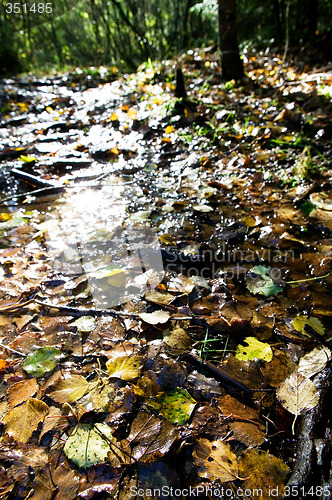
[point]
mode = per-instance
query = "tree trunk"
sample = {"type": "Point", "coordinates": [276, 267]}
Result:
{"type": "Point", "coordinates": [231, 64]}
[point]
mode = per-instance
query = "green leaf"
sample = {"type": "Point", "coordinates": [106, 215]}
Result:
{"type": "Point", "coordinates": [263, 284]}
{"type": "Point", "coordinates": [42, 361]}
{"type": "Point", "coordinates": [176, 406]}
{"type": "Point", "coordinates": [88, 444]}
{"type": "Point", "coordinates": [254, 350]}
{"type": "Point", "coordinates": [85, 323]}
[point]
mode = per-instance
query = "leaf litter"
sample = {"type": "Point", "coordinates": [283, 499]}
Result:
{"type": "Point", "coordinates": [237, 192]}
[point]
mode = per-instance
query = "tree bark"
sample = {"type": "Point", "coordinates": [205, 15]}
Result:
{"type": "Point", "coordinates": [231, 63]}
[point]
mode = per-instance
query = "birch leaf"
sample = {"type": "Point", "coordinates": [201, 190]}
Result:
{"type": "Point", "coordinates": [254, 350]}
{"type": "Point", "coordinates": [125, 367]}
{"type": "Point", "coordinates": [23, 420]}
{"type": "Point", "coordinates": [215, 460]}
{"type": "Point", "coordinates": [90, 444]}
{"type": "Point", "coordinates": [314, 362]}
{"type": "Point", "coordinates": [42, 361]}
{"type": "Point", "coordinates": [176, 406]}
{"type": "Point", "coordinates": [298, 394]}
{"type": "Point", "coordinates": [70, 389]}
{"type": "Point", "coordinates": [301, 321]}
{"type": "Point", "coordinates": [155, 317]}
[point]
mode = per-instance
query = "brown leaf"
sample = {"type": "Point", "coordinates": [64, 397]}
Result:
{"type": "Point", "coordinates": [245, 422]}
{"type": "Point", "coordinates": [21, 391]}
{"type": "Point", "coordinates": [150, 437]}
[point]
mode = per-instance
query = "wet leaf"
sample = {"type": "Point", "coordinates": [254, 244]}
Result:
{"type": "Point", "coordinates": [177, 340]}
{"type": "Point", "coordinates": [155, 317]}
{"type": "Point", "coordinates": [176, 406]}
{"type": "Point", "coordinates": [91, 444]}
{"type": "Point", "coordinates": [215, 460]}
{"type": "Point", "coordinates": [264, 472]}
{"type": "Point", "coordinates": [22, 421]}
{"type": "Point", "coordinates": [243, 421]}
{"type": "Point", "coordinates": [298, 394]}
{"type": "Point", "coordinates": [85, 323]}
{"type": "Point", "coordinates": [260, 281]}
{"type": "Point", "coordinates": [314, 362]}
{"type": "Point", "coordinates": [322, 200]}
{"type": "Point", "coordinates": [150, 437]}
{"type": "Point", "coordinates": [70, 389]}
{"type": "Point", "coordinates": [125, 367]}
{"type": "Point", "coordinates": [21, 391]}
{"type": "Point", "coordinates": [42, 361]}
{"type": "Point", "coordinates": [300, 322]}
{"type": "Point", "coordinates": [254, 350]}
{"type": "Point", "coordinates": [159, 297]}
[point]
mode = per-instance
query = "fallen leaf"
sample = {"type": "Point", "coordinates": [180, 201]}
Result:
{"type": "Point", "coordinates": [298, 394]}
{"type": "Point", "coordinates": [260, 281]}
{"type": "Point", "coordinates": [125, 367]}
{"type": "Point", "coordinates": [300, 322]}
{"type": "Point", "coordinates": [215, 460]}
{"type": "Point", "coordinates": [70, 389]}
{"type": "Point", "coordinates": [254, 350]}
{"type": "Point", "coordinates": [42, 361]}
{"type": "Point", "coordinates": [150, 437]}
{"type": "Point", "coordinates": [91, 444]}
{"type": "Point", "coordinates": [21, 391]}
{"type": "Point", "coordinates": [314, 362]}
{"type": "Point", "coordinates": [159, 298]}
{"type": "Point", "coordinates": [266, 472]}
{"type": "Point", "coordinates": [22, 421]}
{"type": "Point", "coordinates": [176, 406]}
{"type": "Point", "coordinates": [155, 317]}
{"type": "Point", "coordinates": [85, 323]}
{"type": "Point", "coordinates": [178, 341]}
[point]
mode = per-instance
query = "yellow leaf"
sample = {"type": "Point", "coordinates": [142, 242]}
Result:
{"type": "Point", "coordinates": [132, 114]}
{"type": "Point", "coordinates": [169, 129]}
{"type": "Point", "coordinates": [22, 421]}
{"type": "Point", "coordinates": [215, 460]}
{"type": "Point", "coordinates": [124, 107]}
{"type": "Point", "coordinates": [301, 321]}
{"type": "Point", "coordinates": [49, 109]}
{"type": "Point", "coordinates": [125, 367]}
{"type": "Point", "coordinates": [254, 350]}
{"type": "Point", "coordinates": [114, 117]}
{"type": "Point", "coordinates": [115, 151]}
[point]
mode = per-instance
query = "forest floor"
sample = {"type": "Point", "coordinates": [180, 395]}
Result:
{"type": "Point", "coordinates": [165, 271]}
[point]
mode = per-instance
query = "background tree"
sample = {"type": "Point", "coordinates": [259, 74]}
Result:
{"type": "Point", "coordinates": [231, 63]}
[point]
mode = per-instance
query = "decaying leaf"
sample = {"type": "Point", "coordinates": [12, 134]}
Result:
{"type": "Point", "coordinates": [42, 361]}
{"type": "Point", "coordinates": [92, 444]}
{"type": "Point", "coordinates": [70, 389]}
{"type": "Point", "coordinates": [243, 421]}
{"type": "Point", "coordinates": [85, 323]}
{"type": "Point", "coordinates": [215, 460]}
{"type": "Point", "coordinates": [150, 437]}
{"type": "Point", "coordinates": [22, 421]}
{"type": "Point", "coordinates": [176, 406]}
{"type": "Point", "coordinates": [314, 362]}
{"type": "Point", "coordinates": [21, 391]}
{"type": "Point", "coordinates": [254, 350]}
{"type": "Point", "coordinates": [278, 369]}
{"type": "Point", "coordinates": [155, 317]}
{"type": "Point", "coordinates": [125, 367]}
{"type": "Point", "coordinates": [300, 322]}
{"type": "Point", "coordinates": [322, 200]}
{"type": "Point", "coordinates": [177, 340]}
{"type": "Point", "coordinates": [264, 472]}
{"type": "Point", "coordinates": [159, 298]}
{"type": "Point", "coordinates": [298, 394]}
